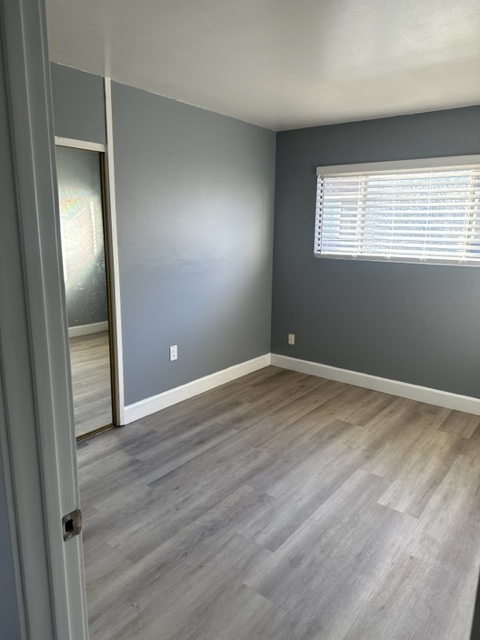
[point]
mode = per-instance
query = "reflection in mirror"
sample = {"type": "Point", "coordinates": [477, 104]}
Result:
{"type": "Point", "coordinates": [83, 249]}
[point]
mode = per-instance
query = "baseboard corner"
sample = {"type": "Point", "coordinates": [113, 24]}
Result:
{"type": "Point", "coordinates": [467, 404]}
{"type": "Point", "coordinates": [173, 396]}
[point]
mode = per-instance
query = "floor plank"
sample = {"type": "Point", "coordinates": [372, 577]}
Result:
{"type": "Point", "coordinates": [284, 507]}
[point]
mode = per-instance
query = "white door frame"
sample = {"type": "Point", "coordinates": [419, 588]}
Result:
{"type": "Point", "coordinates": [37, 438]}
{"type": "Point", "coordinates": [111, 255]}
{"type": "Point", "coordinates": [80, 144]}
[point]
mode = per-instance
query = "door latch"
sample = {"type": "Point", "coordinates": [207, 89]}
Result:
{"type": "Point", "coordinates": [72, 524]}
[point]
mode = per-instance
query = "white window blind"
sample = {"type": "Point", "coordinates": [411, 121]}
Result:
{"type": "Point", "coordinates": [424, 214]}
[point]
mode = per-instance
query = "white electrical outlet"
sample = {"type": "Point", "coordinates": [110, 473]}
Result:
{"type": "Point", "coordinates": [291, 339]}
{"type": "Point", "coordinates": [173, 352]}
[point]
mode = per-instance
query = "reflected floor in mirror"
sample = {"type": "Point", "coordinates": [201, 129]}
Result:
{"type": "Point", "coordinates": [90, 360]}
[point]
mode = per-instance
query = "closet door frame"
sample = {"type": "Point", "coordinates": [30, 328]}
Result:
{"type": "Point", "coordinates": [113, 283]}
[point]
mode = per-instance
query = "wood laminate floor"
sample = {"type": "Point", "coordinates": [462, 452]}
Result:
{"type": "Point", "coordinates": [284, 507]}
{"type": "Point", "coordinates": [90, 364]}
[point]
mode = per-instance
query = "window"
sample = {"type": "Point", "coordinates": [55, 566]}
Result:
{"type": "Point", "coordinates": [402, 212]}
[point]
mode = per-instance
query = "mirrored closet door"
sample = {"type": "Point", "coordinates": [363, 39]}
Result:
{"type": "Point", "coordinates": [85, 270]}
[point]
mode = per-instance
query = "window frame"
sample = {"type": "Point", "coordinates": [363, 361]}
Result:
{"type": "Point", "coordinates": [391, 166]}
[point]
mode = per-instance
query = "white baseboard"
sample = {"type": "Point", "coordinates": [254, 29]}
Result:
{"type": "Point", "coordinates": [393, 387]}
{"type": "Point", "coordinates": [87, 329]}
{"type": "Point", "coordinates": [173, 396]}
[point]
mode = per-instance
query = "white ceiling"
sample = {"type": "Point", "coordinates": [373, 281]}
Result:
{"type": "Point", "coordinates": [281, 64]}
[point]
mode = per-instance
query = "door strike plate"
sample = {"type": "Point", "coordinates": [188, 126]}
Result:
{"type": "Point", "coordinates": [72, 524]}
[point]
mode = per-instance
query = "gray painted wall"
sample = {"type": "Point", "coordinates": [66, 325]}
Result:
{"type": "Point", "coordinates": [194, 201]}
{"type": "Point", "coordinates": [414, 323]}
{"type": "Point", "coordinates": [195, 225]}
{"type": "Point", "coordinates": [195, 195]}
{"type": "Point", "coordinates": [78, 104]}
